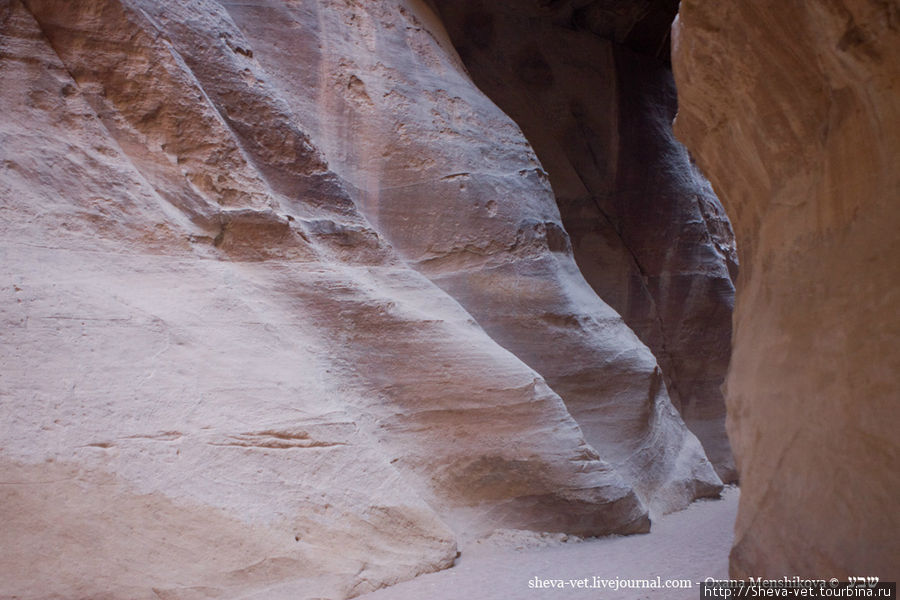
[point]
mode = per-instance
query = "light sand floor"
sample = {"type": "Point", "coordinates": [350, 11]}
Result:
{"type": "Point", "coordinates": [689, 545]}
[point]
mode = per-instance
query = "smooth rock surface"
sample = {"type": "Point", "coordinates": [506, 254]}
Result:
{"type": "Point", "coordinates": [222, 377]}
{"type": "Point", "coordinates": [457, 190]}
{"type": "Point", "coordinates": [791, 109]}
{"type": "Point", "coordinates": [198, 326]}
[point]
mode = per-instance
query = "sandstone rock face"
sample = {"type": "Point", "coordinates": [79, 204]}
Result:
{"type": "Point", "coordinates": [458, 191]}
{"type": "Point", "coordinates": [589, 84]}
{"type": "Point", "coordinates": [289, 310]}
{"type": "Point", "coordinates": [792, 110]}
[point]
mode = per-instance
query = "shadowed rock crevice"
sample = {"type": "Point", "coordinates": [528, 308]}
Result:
{"type": "Point", "coordinates": [591, 87]}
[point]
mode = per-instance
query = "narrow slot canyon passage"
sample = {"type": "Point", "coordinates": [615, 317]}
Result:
{"type": "Point", "coordinates": [591, 87]}
{"type": "Point", "coordinates": [332, 299]}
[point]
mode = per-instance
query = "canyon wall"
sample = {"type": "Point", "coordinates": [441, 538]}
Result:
{"type": "Point", "coordinates": [289, 311]}
{"type": "Point", "coordinates": [591, 87]}
{"type": "Point", "coordinates": [457, 190]}
{"type": "Point", "coordinates": [791, 109]}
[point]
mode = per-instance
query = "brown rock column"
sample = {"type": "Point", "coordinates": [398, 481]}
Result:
{"type": "Point", "coordinates": [792, 110]}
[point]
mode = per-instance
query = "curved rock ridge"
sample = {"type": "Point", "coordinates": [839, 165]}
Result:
{"type": "Point", "coordinates": [590, 87]}
{"type": "Point", "coordinates": [456, 189]}
{"type": "Point", "coordinates": [792, 110]}
{"type": "Point", "coordinates": [233, 367]}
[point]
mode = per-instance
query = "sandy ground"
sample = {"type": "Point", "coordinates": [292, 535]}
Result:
{"type": "Point", "coordinates": [689, 545]}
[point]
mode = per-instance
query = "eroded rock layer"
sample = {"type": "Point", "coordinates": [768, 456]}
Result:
{"type": "Point", "coordinates": [590, 86]}
{"type": "Point", "coordinates": [227, 369]}
{"type": "Point", "coordinates": [456, 189]}
{"type": "Point", "coordinates": [792, 110]}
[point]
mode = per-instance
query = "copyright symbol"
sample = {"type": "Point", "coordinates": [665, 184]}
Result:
{"type": "Point", "coordinates": [834, 582]}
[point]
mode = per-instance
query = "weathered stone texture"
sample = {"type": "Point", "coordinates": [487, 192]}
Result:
{"type": "Point", "coordinates": [289, 310]}
{"type": "Point", "coordinates": [792, 110]}
{"type": "Point", "coordinates": [590, 85]}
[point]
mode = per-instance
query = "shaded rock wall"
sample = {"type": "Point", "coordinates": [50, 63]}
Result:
{"type": "Point", "coordinates": [590, 85]}
{"type": "Point", "coordinates": [456, 189]}
{"type": "Point", "coordinates": [289, 310]}
{"type": "Point", "coordinates": [199, 326]}
{"type": "Point", "coordinates": [792, 110]}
